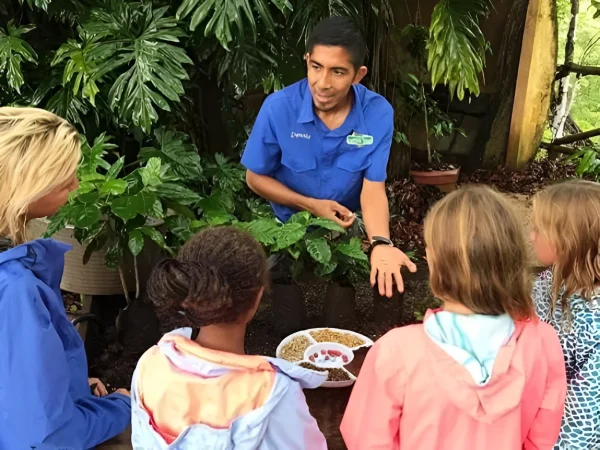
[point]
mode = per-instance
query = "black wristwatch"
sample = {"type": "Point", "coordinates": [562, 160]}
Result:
{"type": "Point", "coordinates": [380, 240]}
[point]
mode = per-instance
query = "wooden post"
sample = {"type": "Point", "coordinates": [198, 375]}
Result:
{"type": "Point", "coordinates": [534, 83]}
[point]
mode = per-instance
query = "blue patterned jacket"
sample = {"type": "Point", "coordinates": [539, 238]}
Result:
{"type": "Point", "coordinates": [580, 340]}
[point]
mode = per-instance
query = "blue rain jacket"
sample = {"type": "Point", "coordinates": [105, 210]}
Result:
{"type": "Point", "coordinates": [45, 399]}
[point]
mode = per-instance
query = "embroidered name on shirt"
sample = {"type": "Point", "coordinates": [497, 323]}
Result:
{"type": "Point", "coordinates": [300, 135]}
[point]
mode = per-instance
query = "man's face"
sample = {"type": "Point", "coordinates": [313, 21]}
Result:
{"type": "Point", "coordinates": [330, 76]}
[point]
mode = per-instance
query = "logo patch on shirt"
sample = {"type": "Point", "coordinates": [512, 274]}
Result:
{"type": "Point", "coordinates": [359, 140]}
{"type": "Point", "coordinates": [300, 135]}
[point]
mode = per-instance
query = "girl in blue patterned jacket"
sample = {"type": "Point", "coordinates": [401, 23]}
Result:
{"type": "Point", "coordinates": [566, 236]}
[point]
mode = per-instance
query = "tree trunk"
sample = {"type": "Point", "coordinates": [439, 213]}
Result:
{"type": "Point", "coordinates": [566, 89]}
{"type": "Point", "coordinates": [568, 100]}
{"type": "Point", "coordinates": [493, 143]}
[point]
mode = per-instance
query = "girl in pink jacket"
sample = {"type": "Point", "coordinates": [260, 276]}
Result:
{"type": "Point", "coordinates": [479, 373]}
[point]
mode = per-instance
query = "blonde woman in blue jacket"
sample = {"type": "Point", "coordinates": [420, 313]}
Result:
{"type": "Point", "coordinates": [45, 397]}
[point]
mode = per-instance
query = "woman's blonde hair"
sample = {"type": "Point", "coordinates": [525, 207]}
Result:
{"type": "Point", "coordinates": [476, 250]}
{"type": "Point", "coordinates": [39, 151]}
{"type": "Point", "coordinates": [567, 216]}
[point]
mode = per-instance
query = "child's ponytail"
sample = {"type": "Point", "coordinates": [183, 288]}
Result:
{"type": "Point", "coordinates": [216, 277]}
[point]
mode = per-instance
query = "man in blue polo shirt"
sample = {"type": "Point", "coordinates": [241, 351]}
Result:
{"type": "Point", "coordinates": [322, 145]}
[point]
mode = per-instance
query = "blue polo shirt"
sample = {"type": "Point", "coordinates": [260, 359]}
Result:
{"type": "Point", "coordinates": [291, 144]}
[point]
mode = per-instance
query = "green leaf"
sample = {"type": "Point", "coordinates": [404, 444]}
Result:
{"type": "Point", "coordinates": [13, 51]}
{"type": "Point", "coordinates": [328, 224]}
{"type": "Point", "coordinates": [147, 64]}
{"type": "Point", "coordinates": [175, 150]}
{"type": "Point", "coordinates": [218, 217]}
{"type": "Point", "coordinates": [352, 249]}
{"type": "Point", "coordinates": [59, 221]}
{"type": "Point", "coordinates": [116, 168]}
{"type": "Point", "coordinates": [264, 231]}
{"type": "Point", "coordinates": [197, 225]}
{"type": "Point", "coordinates": [323, 270]}
{"type": "Point", "coordinates": [136, 242]}
{"type": "Point", "coordinates": [456, 46]}
{"type": "Point", "coordinates": [288, 235]}
{"type": "Point", "coordinates": [301, 217]}
{"type": "Point", "coordinates": [84, 216]}
{"type": "Point", "coordinates": [88, 198]}
{"type": "Point", "coordinates": [114, 187]}
{"type": "Point", "coordinates": [177, 193]}
{"type": "Point", "coordinates": [123, 207]}
{"type": "Point", "coordinates": [128, 207]}
{"type": "Point", "coordinates": [157, 210]}
{"type": "Point", "coordinates": [151, 173]}
{"type": "Point", "coordinates": [180, 209]}
{"type": "Point", "coordinates": [586, 162]}
{"type": "Point", "coordinates": [319, 250]}
{"type": "Point", "coordinates": [157, 238]}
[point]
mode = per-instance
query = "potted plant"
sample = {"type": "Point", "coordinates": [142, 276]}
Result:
{"type": "Point", "coordinates": [302, 237]}
{"type": "Point", "coordinates": [111, 217]}
{"type": "Point", "coordinates": [346, 266]}
{"type": "Point", "coordinates": [437, 124]}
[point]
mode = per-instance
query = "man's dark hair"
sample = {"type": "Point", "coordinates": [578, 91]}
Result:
{"type": "Point", "coordinates": [340, 32]}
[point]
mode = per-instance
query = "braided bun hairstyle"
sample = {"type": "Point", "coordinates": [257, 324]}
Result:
{"type": "Point", "coordinates": [215, 278]}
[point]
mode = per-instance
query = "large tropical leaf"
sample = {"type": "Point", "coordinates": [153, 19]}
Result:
{"type": "Point", "coordinates": [223, 15]}
{"type": "Point", "coordinates": [42, 4]}
{"type": "Point", "coordinates": [13, 51]}
{"type": "Point", "coordinates": [175, 150]}
{"type": "Point", "coordinates": [307, 13]}
{"type": "Point", "coordinates": [456, 46]}
{"type": "Point", "coordinates": [142, 41]}
{"type": "Point", "coordinates": [81, 60]}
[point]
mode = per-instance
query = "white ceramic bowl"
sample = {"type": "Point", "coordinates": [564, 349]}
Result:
{"type": "Point", "coordinates": [328, 355]}
{"type": "Point", "coordinates": [306, 333]}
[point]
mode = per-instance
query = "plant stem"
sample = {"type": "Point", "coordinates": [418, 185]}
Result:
{"type": "Point", "coordinates": [429, 158]}
{"type": "Point", "coordinates": [137, 277]}
{"type": "Point", "coordinates": [124, 284]}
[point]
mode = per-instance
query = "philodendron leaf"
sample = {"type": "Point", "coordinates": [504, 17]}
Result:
{"type": "Point", "coordinates": [151, 173]}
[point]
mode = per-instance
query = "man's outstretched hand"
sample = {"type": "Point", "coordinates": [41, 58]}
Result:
{"type": "Point", "coordinates": [330, 209]}
{"type": "Point", "coordinates": [386, 262]}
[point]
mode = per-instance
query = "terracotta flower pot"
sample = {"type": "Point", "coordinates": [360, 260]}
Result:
{"type": "Point", "coordinates": [445, 180]}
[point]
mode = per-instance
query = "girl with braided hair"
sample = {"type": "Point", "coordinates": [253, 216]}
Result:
{"type": "Point", "coordinates": [206, 393]}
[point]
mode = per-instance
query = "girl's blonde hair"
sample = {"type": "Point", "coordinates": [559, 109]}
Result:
{"type": "Point", "coordinates": [567, 216]}
{"type": "Point", "coordinates": [476, 250]}
{"type": "Point", "coordinates": [39, 152]}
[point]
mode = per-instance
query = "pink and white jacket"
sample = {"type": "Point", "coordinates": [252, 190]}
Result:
{"type": "Point", "coordinates": [188, 397]}
{"type": "Point", "coordinates": [459, 383]}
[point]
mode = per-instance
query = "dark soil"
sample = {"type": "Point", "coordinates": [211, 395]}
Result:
{"type": "Point", "coordinates": [409, 204]}
{"type": "Point", "coordinates": [531, 179]}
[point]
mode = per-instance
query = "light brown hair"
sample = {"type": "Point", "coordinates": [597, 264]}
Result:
{"type": "Point", "coordinates": [215, 278]}
{"type": "Point", "coordinates": [567, 216]}
{"type": "Point", "coordinates": [476, 250]}
{"type": "Point", "coordinates": [39, 152]}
